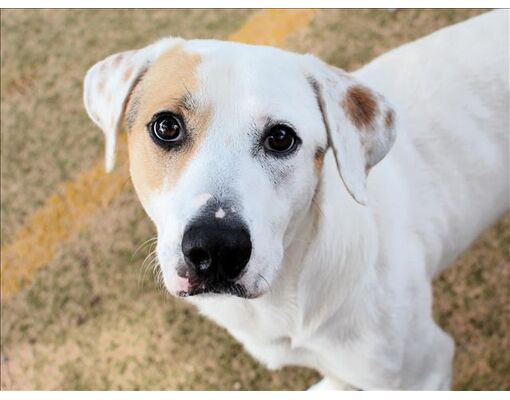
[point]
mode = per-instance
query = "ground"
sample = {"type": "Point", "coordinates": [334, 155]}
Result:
{"type": "Point", "coordinates": [92, 317]}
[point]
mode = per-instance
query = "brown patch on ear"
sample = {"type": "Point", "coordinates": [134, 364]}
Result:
{"type": "Point", "coordinates": [319, 160]}
{"type": "Point", "coordinates": [389, 119]}
{"type": "Point", "coordinates": [360, 105]}
{"type": "Point", "coordinates": [168, 80]}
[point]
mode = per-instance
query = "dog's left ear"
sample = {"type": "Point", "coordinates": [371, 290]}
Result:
{"type": "Point", "coordinates": [108, 84]}
{"type": "Point", "coordinates": [359, 121]}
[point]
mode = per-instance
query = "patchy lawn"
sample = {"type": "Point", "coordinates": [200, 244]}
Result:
{"type": "Point", "coordinates": [93, 318]}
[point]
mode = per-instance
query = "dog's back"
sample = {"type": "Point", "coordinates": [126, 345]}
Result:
{"type": "Point", "coordinates": [451, 91]}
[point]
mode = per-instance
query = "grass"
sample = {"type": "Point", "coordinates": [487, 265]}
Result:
{"type": "Point", "coordinates": [93, 317]}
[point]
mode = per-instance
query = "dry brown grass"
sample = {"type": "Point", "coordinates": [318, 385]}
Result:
{"type": "Point", "coordinates": [92, 319]}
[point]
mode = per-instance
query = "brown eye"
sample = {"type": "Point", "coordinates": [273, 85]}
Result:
{"type": "Point", "coordinates": [166, 128]}
{"type": "Point", "coordinates": [280, 139]}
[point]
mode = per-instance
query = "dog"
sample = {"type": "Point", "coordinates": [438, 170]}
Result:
{"type": "Point", "coordinates": [306, 209]}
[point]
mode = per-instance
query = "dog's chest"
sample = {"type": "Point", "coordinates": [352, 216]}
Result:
{"type": "Point", "coordinates": [268, 331]}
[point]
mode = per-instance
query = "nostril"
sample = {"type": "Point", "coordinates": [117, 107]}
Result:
{"type": "Point", "coordinates": [200, 258]}
{"type": "Point", "coordinates": [216, 251]}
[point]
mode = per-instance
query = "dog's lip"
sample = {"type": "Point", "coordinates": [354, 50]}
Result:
{"type": "Point", "coordinates": [235, 290]}
{"type": "Point", "coordinates": [198, 288]}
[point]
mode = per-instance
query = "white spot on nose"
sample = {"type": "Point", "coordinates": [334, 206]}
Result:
{"type": "Point", "coordinates": [220, 213]}
{"type": "Point", "coordinates": [201, 199]}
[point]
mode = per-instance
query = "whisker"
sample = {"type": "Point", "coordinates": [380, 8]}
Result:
{"type": "Point", "coordinates": [147, 264]}
{"type": "Point", "coordinates": [147, 242]}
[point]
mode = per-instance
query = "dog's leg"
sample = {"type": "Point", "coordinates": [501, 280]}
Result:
{"type": "Point", "coordinates": [437, 360]}
{"type": "Point", "coordinates": [331, 384]}
{"type": "Point", "coordinates": [428, 349]}
{"type": "Point", "coordinates": [447, 348]}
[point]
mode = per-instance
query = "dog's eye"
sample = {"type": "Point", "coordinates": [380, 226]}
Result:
{"type": "Point", "coordinates": [280, 139]}
{"type": "Point", "coordinates": [166, 128]}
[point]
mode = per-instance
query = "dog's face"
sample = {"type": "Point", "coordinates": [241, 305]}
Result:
{"type": "Point", "coordinates": [226, 145]}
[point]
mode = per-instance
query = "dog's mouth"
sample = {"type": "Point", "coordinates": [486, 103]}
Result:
{"type": "Point", "coordinates": [233, 289]}
{"type": "Point", "coordinates": [216, 284]}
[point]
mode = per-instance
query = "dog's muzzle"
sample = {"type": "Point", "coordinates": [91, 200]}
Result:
{"type": "Point", "coordinates": [215, 251]}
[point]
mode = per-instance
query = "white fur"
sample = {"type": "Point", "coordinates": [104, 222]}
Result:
{"type": "Point", "coordinates": [352, 296]}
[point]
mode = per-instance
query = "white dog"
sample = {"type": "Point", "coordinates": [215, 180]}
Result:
{"type": "Point", "coordinates": [279, 212]}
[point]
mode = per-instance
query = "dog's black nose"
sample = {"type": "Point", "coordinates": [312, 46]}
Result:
{"type": "Point", "coordinates": [215, 250]}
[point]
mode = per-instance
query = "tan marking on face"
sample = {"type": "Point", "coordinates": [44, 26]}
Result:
{"type": "Point", "coordinates": [319, 160]}
{"type": "Point", "coordinates": [360, 105]}
{"type": "Point", "coordinates": [171, 77]}
{"type": "Point", "coordinates": [389, 119]}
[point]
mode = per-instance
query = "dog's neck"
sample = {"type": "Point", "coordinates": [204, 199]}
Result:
{"type": "Point", "coordinates": [330, 258]}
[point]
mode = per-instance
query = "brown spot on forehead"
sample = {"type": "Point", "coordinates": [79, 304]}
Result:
{"type": "Point", "coordinates": [360, 105]}
{"type": "Point", "coordinates": [163, 87]}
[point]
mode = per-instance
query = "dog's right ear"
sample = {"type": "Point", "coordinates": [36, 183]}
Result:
{"type": "Point", "coordinates": [107, 87]}
{"type": "Point", "coordinates": [360, 124]}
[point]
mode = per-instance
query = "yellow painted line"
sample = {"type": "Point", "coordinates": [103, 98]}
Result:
{"type": "Point", "coordinates": [65, 213]}
{"type": "Point", "coordinates": [272, 27]}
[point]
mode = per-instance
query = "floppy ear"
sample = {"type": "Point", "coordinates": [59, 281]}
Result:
{"type": "Point", "coordinates": [360, 124]}
{"type": "Point", "coordinates": [107, 87]}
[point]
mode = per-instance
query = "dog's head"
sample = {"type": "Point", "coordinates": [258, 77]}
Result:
{"type": "Point", "coordinates": [226, 145]}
